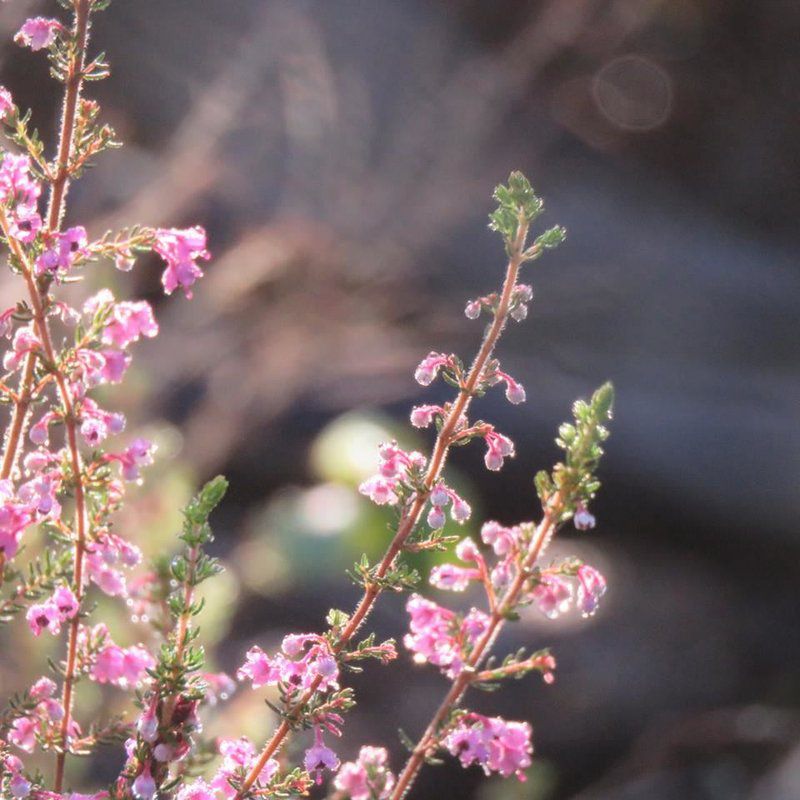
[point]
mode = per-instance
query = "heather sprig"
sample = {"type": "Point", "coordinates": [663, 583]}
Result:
{"type": "Point", "coordinates": [175, 689]}
{"type": "Point", "coordinates": [460, 644]}
{"type": "Point", "coordinates": [63, 468]}
{"type": "Point", "coordinates": [412, 483]}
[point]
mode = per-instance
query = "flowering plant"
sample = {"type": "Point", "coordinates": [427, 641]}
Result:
{"type": "Point", "coordinates": [66, 463]}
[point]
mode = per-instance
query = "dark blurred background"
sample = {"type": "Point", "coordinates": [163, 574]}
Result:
{"type": "Point", "coordinates": [342, 154]}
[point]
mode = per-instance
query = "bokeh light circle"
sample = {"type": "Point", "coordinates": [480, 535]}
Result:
{"type": "Point", "coordinates": [633, 93]}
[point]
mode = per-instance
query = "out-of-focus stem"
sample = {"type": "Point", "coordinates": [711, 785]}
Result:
{"type": "Point", "coordinates": [71, 426]}
{"type": "Point", "coordinates": [430, 739]}
{"type": "Point", "coordinates": [72, 92]}
{"type": "Point", "coordinates": [411, 515]}
{"type": "Point", "coordinates": [18, 417]}
{"type": "Point", "coordinates": [55, 212]}
{"type": "Point", "coordinates": [183, 625]}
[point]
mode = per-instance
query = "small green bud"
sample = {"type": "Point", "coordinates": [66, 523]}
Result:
{"type": "Point", "coordinates": [550, 238]}
{"type": "Point", "coordinates": [603, 402]}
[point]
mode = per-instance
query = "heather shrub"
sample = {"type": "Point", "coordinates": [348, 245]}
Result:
{"type": "Point", "coordinates": [70, 567]}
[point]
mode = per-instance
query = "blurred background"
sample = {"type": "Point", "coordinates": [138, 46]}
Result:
{"type": "Point", "coordinates": [341, 154]}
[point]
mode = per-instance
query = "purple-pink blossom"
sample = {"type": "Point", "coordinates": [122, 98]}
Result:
{"type": "Point", "coordinates": [319, 757]}
{"type": "Point", "coordinates": [583, 519]}
{"type": "Point", "coordinates": [395, 469]}
{"type": "Point", "coordinates": [367, 778]}
{"type": "Point", "coordinates": [181, 250]}
{"type": "Point", "coordinates": [38, 32]}
{"type": "Point", "coordinates": [121, 666]}
{"type": "Point", "coordinates": [61, 606]}
{"type": "Point", "coordinates": [591, 587]}
{"type": "Point", "coordinates": [6, 102]}
{"type": "Point", "coordinates": [423, 416]}
{"type": "Point", "coordinates": [63, 251]}
{"type": "Point", "coordinates": [238, 755]}
{"type": "Point", "coordinates": [128, 322]}
{"type": "Point", "coordinates": [498, 447]}
{"type": "Point", "coordinates": [492, 743]}
{"type": "Point", "coordinates": [429, 368]}
{"type": "Point", "coordinates": [304, 659]}
{"type": "Point", "coordinates": [552, 595]}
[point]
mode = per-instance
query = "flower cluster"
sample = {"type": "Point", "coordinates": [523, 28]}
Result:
{"type": "Point", "coordinates": [493, 743]}
{"type": "Point", "coordinates": [441, 636]}
{"type": "Point", "coordinates": [366, 778]}
{"type": "Point", "coordinates": [305, 659]}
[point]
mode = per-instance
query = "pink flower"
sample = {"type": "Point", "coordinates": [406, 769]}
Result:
{"type": "Point", "coordinates": [475, 624]}
{"type": "Point", "coordinates": [492, 743]}
{"type": "Point", "coordinates": [42, 689]}
{"type": "Point", "coordinates": [18, 186]}
{"type": "Point", "coordinates": [44, 617]}
{"type": "Point", "coordinates": [238, 755]}
{"type": "Point", "coordinates": [38, 33]}
{"type": "Point", "coordinates": [259, 669]}
{"type": "Point", "coordinates": [23, 733]}
{"type": "Point", "coordinates": [14, 518]}
{"type": "Point", "coordinates": [128, 322]}
{"type": "Point", "coordinates": [6, 102]}
{"type": "Point", "coordinates": [467, 550]}
{"type": "Point", "coordinates": [115, 363]}
{"type": "Point", "coordinates": [441, 495]}
{"type": "Point", "coordinates": [66, 602]}
{"type": "Point", "coordinates": [523, 294]}
{"type": "Point", "coordinates": [591, 587]}
{"type": "Point", "coordinates": [395, 469]}
{"type": "Point", "coordinates": [380, 490]}
{"type": "Point", "coordinates": [139, 454]}
{"type": "Point", "coordinates": [39, 495]}
{"type": "Point", "coordinates": [304, 659]}
{"type": "Point", "coordinates": [368, 778]}
{"type": "Point", "coordinates": [515, 392]}
{"type": "Point", "coordinates": [461, 509]}
{"type": "Point", "coordinates": [181, 249]}
{"type": "Point", "coordinates": [25, 341]}
{"type": "Point", "coordinates": [147, 724]}
{"type": "Point", "coordinates": [122, 667]}
{"type": "Point", "coordinates": [319, 757]}
{"type": "Point", "coordinates": [67, 247]}
{"type": "Point", "coordinates": [429, 368]}
{"type": "Point", "coordinates": [97, 424]}
{"type": "Point", "coordinates": [196, 790]}
{"type": "Point", "coordinates": [498, 447]}
{"type": "Point", "coordinates": [473, 309]}
{"type": "Point", "coordinates": [144, 787]}
{"type": "Point", "coordinates": [582, 519]}
{"type": "Point", "coordinates": [423, 416]}
{"type": "Point", "coordinates": [453, 578]}
{"type": "Point", "coordinates": [439, 636]}
{"type": "Point", "coordinates": [552, 595]}
{"type": "Point", "coordinates": [502, 540]}
{"type": "Point", "coordinates": [19, 786]}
